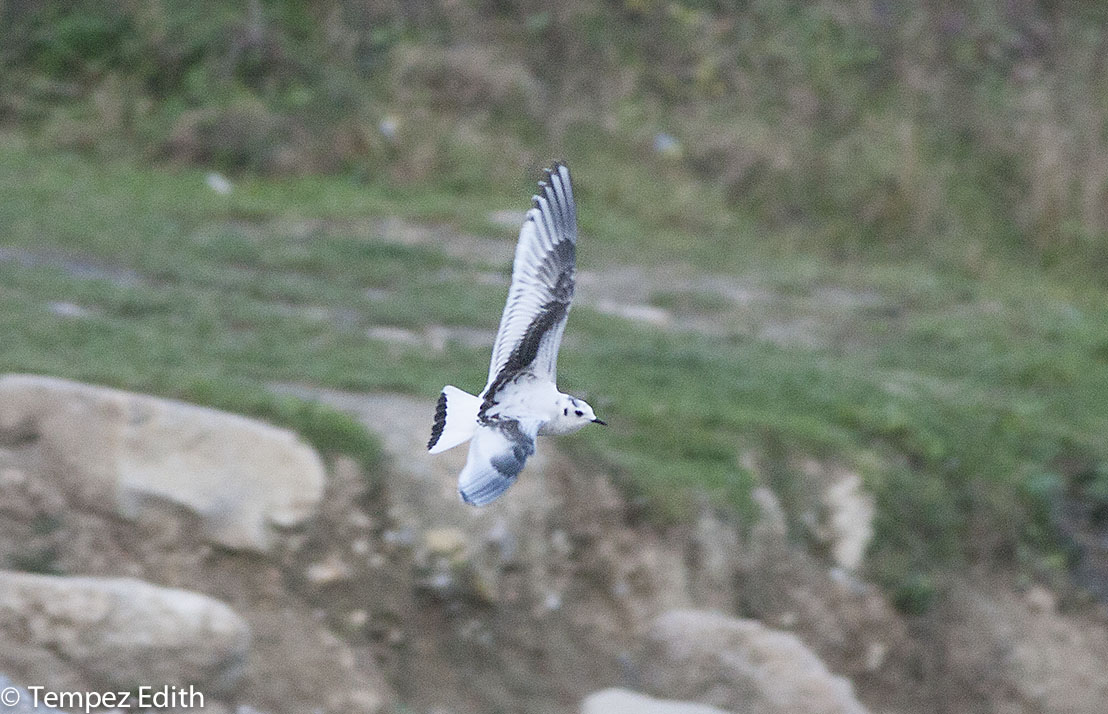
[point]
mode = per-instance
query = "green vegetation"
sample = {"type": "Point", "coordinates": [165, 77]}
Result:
{"type": "Point", "coordinates": [957, 396]}
{"type": "Point", "coordinates": [853, 126]}
{"type": "Point", "coordinates": [908, 202]}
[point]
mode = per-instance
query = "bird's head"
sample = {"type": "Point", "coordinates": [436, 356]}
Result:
{"type": "Point", "coordinates": [577, 412]}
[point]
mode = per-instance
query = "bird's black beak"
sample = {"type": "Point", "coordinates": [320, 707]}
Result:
{"type": "Point", "coordinates": [601, 423]}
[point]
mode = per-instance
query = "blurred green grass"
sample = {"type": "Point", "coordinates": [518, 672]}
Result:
{"type": "Point", "coordinates": [911, 197]}
{"type": "Point", "coordinates": [855, 127]}
{"type": "Point", "coordinates": [956, 395]}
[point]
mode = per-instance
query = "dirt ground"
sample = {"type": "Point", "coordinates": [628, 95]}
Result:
{"type": "Point", "coordinates": [396, 597]}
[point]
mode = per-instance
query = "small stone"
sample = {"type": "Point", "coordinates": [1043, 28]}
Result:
{"type": "Point", "coordinates": [11, 477]}
{"type": "Point", "coordinates": [622, 701]}
{"type": "Point", "coordinates": [210, 707]}
{"type": "Point", "coordinates": [331, 570]}
{"type": "Point", "coordinates": [444, 541]}
{"type": "Point", "coordinates": [218, 183]}
{"type": "Point", "coordinates": [399, 537]}
{"type": "Point", "coordinates": [667, 145]}
{"type": "Point", "coordinates": [68, 309]}
{"type": "Point", "coordinates": [247, 709]}
{"type": "Point", "coordinates": [1040, 599]}
{"type": "Point", "coordinates": [875, 655]}
{"type": "Point", "coordinates": [359, 519]}
{"type": "Point", "coordinates": [440, 582]}
{"type": "Point", "coordinates": [364, 700]}
{"type": "Point", "coordinates": [389, 126]}
{"type": "Point", "coordinates": [559, 543]}
{"type": "Point", "coordinates": [500, 540]}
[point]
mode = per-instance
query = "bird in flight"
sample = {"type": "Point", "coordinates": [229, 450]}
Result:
{"type": "Point", "coordinates": [521, 400]}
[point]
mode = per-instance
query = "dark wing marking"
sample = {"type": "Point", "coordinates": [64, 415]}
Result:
{"type": "Point", "coordinates": [497, 454]}
{"type": "Point", "coordinates": [440, 421]}
{"type": "Point", "coordinates": [543, 279]}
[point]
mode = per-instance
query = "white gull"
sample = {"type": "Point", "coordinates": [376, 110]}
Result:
{"type": "Point", "coordinates": [521, 400]}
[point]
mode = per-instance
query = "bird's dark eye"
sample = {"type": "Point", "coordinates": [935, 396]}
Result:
{"type": "Point", "coordinates": [565, 412]}
{"type": "Point", "coordinates": [579, 412]}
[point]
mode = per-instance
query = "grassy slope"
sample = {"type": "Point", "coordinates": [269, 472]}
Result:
{"type": "Point", "coordinates": [956, 392]}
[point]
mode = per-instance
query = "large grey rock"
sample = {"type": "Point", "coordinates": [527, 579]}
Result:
{"type": "Point", "coordinates": [124, 631]}
{"type": "Point", "coordinates": [622, 701]}
{"type": "Point", "coordinates": [740, 665]}
{"type": "Point", "coordinates": [17, 700]}
{"type": "Point", "coordinates": [128, 452]}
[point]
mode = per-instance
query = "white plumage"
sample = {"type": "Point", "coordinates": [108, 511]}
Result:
{"type": "Point", "coordinates": [521, 399]}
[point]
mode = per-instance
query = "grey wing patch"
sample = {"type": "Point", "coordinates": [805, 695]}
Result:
{"type": "Point", "coordinates": [497, 454]}
{"type": "Point", "coordinates": [537, 350]}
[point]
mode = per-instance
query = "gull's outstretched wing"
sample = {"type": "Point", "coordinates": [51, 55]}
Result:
{"type": "Point", "coordinates": [543, 278]}
{"type": "Point", "coordinates": [499, 450]}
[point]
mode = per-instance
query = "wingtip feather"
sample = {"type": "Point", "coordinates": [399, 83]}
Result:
{"type": "Point", "coordinates": [557, 167]}
{"type": "Point", "coordinates": [485, 492]}
{"type": "Point", "coordinates": [440, 421]}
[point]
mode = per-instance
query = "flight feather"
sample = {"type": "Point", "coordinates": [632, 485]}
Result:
{"type": "Point", "coordinates": [544, 276]}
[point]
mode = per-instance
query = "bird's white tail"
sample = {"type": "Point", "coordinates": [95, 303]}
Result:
{"type": "Point", "coordinates": [455, 419]}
